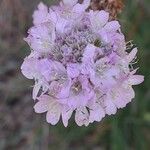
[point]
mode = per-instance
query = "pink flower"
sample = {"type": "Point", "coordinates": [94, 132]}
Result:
{"type": "Point", "coordinates": [79, 63]}
{"type": "Point", "coordinates": [80, 92]}
{"type": "Point", "coordinates": [41, 38]}
{"type": "Point", "coordinates": [54, 110]}
{"type": "Point", "coordinates": [116, 94]}
{"type": "Point", "coordinates": [104, 74]}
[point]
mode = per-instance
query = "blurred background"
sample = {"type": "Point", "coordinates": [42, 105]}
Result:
{"type": "Point", "coordinates": [22, 129]}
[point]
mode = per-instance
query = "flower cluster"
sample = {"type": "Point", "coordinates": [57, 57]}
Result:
{"type": "Point", "coordinates": [79, 62]}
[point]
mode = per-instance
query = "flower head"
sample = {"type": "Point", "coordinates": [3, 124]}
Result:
{"type": "Point", "coordinates": [79, 63]}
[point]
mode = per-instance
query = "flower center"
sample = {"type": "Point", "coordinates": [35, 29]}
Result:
{"type": "Point", "coordinates": [70, 47]}
{"type": "Point", "coordinates": [76, 88]}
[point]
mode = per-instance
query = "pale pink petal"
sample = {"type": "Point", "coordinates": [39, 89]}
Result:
{"type": "Point", "coordinates": [119, 100]}
{"type": "Point", "coordinates": [132, 55]}
{"type": "Point", "coordinates": [89, 53]}
{"type": "Point", "coordinates": [112, 26]}
{"type": "Point", "coordinates": [135, 79]}
{"type": "Point", "coordinates": [41, 37]}
{"type": "Point", "coordinates": [79, 8]}
{"type": "Point", "coordinates": [73, 70]}
{"type": "Point", "coordinates": [55, 65]}
{"type": "Point", "coordinates": [25, 71]}
{"type": "Point", "coordinates": [52, 16]}
{"type": "Point", "coordinates": [42, 106]}
{"type": "Point", "coordinates": [62, 25]}
{"type": "Point", "coordinates": [96, 113]}
{"type": "Point", "coordinates": [29, 68]}
{"type": "Point", "coordinates": [65, 90]}
{"type": "Point", "coordinates": [82, 116]}
{"type": "Point", "coordinates": [44, 67]}
{"type": "Point", "coordinates": [53, 114]}
{"type": "Point", "coordinates": [40, 15]}
{"type": "Point", "coordinates": [54, 88]}
{"type": "Point", "coordinates": [109, 106]}
{"type": "Point", "coordinates": [70, 2]}
{"type": "Point", "coordinates": [77, 100]}
{"type": "Point", "coordinates": [103, 17]}
{"type": "Point", "coordinates": [105, 39]}
{"type": "Point", "coordinates": [98, 19]}
{"type": "Point", "coordinates": [88, 59]}
{"type": "Point", "coordinates": [86, 3]}
{"type": "Point", "coordinates": [66, 115]}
